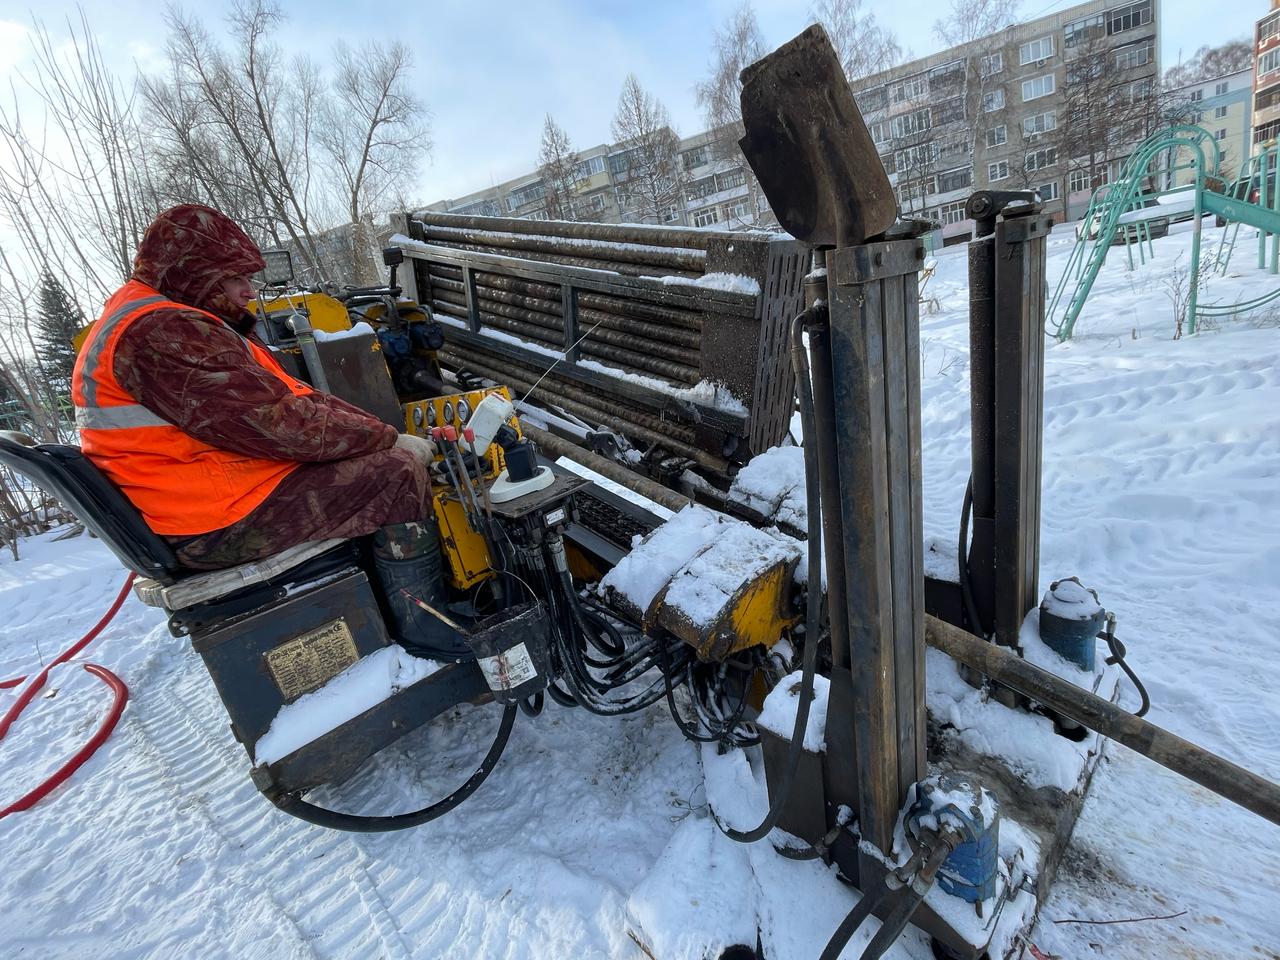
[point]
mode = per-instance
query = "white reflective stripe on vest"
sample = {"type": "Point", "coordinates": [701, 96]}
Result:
{"type": "Point", "coordinates": [98, 343]}
{"type": "Point", "coordinates": [118, 418]}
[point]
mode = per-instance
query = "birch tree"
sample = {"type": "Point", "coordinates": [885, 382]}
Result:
{"type": "Point", "coordinates": [558, 167]}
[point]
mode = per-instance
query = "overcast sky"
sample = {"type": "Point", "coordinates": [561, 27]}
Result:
{"type": "Point", "coordinates": [489, 70]}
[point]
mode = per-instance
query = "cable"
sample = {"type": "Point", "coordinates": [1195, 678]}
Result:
{"type": "Point", "coordinates": [294, 805]}
{"type": "Point", "coordinates": [1118, 653]}
{"type": "Point", "coordinates": [813, 612]}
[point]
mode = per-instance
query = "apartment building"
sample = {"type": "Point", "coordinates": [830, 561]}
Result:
{"type": "Point", "coordinates": [990, 113]}
{"type": "Point", "coordinates": [1266, 77]}
{"type": "Point", "coordinates": [1223, 106]}
{"type": "Point", "coordinates": [995, 112]}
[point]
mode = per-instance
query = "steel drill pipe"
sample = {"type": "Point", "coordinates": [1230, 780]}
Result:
{"type": "Point", "coordinates": [1184, 758]}
{"type": "Point", "coordinates": [610, 232]}
{"type": "Point", "coordinates": [600, 405]}
{"type": "Point", "coordinates": [623, 307]}
{"type": "Point", "coordinates": [674, 258]}
{"type": "Point", "coordinates": [509, 319]}
{"type": "Point", "coordinates": [557, 446]}
{"type": "Point", "coordinates": [522, 308]}
{"type": "Point", "coordinates": [571, 260]}
{"type": "Point", "coordinates": [546, 299]}
{"type": "Point", "coordinates": [717, 465]}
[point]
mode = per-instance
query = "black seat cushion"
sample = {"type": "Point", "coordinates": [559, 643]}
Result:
{"type": "Point", "coordinates": [66, 473]}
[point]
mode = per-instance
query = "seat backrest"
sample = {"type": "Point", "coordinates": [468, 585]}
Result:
{"type": "Point", "coordinates": [66, 473]}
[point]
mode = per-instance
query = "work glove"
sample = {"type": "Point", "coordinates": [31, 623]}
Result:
{"type": "Point", "coordinates": [420, 447]}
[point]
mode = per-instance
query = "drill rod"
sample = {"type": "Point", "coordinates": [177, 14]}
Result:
{"type": "Point", "coordinates": [1211, 771]}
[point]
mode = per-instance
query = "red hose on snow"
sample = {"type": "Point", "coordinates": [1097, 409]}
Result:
{"type": "Point", "coordinates": [121, 695]}
{"type": "Point", "coordinates": [118, 689]}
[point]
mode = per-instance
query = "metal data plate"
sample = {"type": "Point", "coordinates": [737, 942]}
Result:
{"type": "Point", "coordinates": [304, 663]}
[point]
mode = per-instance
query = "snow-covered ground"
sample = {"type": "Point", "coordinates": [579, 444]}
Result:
{"type": "Point", "coordinates": [1161, 490]}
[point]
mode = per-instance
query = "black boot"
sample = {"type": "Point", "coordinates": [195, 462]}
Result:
{"type": "Point", "coordinates": [406, 557]}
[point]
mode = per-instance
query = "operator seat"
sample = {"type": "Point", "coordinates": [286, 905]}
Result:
{"type": "Point", "coordinates": [193, 598]}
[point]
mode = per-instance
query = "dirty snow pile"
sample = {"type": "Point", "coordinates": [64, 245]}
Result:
{"type": "Point", "coordinates": [592, 837]}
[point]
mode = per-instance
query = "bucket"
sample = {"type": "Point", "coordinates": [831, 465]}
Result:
{"type": "Point", "coordinates": [513, 652]}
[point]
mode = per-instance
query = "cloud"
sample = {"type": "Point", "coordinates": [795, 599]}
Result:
{"type": "Point", "coordinates": [15, 45]}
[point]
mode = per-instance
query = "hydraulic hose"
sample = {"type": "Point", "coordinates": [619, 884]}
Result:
{"type": "Point", "coordinates": [120, 696]}
{"type": "Point", "coordinates": [813, 607]}
{"type": "Point", "coordinates": [334, 820]}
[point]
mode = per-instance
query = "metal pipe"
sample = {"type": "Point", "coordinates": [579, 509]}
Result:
{"type": "Point", "coordinates": [1197, 764]}
{"type": "Point", "coordinates": [677, 373]}
{"type": "Point", "coordinates": [591, 263]}
{"type": "Point", "coordinates": [649, 489]}
{"type": "Point", "coordinates": [614, 232]}
{"type": "Point", "coordinates": [678, 258]}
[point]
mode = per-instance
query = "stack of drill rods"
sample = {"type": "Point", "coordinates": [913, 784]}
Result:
{"type": "Point", "coordinates": [668, 325]}
{"type": "Point", "coordinates": [537, 327]}
{"type": "Point", "coordinates": [667, 435]}
{"type": "Point", "coordinates": [568, 259]}
{"type": "Point", "coordinates": [611, 251]}
{"type": "Point", "coordinates": [609, 232]}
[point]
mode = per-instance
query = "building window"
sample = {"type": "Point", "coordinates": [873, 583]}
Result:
{"type": "Point", "coordinates": [1219, 113]}
{"type": "Point", "coordinates": [913, 158]}
{"type": "Point", "coordinates": [953, 151]}
{"type": "Point", "coordinates": [1221, 134]}
{"type": "Point", "coordinates": [880, 131]}
{"type": "Point", "coordinates": [997, 136]}
{"type": "Point", "coordinates": [702, 188]}
{"type": "Point", "coordinates": [955, 180]}
{"type": "Point", "coordinates": [872, 99]}
{"type": "Point", "coordinates": [527, 194]}
{"type": "Point", "coordinates": [1221, 88]}
{"type": "Point", "coordinates": [1139, 90]}
{"type": "Point", "coordinates": [1268, 62]}
{"type": "Point", "coordinates": [1268, 99]}
{"type": "Point", "coordinates": [1048, 191]}
{"type": "Point", "coordinates": [694, 158]}
{"type": "Point", "coordinates": [1135, 55]}
{"type": "Point", "coordinates": [911, 123]}
{"type": "Point", "coordinates": [1037, 87]}
{"type": "Point", "coordinates": [706, 216]}
{"type": "Point", "coordinates": [949, 111]}
{"type": "Point", "coordinates": [1039, 159]}
{"type": "Point", "coordinates": [909, 89]}
{"type": "Point", "coordinates": [1268, 28]}
{"type": "Point", "coordinates": [1084, 29]}
{"type": "Point", "coordinates": [998, 171]}
{"type": "Point", "coordinates": [990, 64]}
{"type": "Point", "coordinates": [950, 213]}
{"type": "Point", "coordinates": [1197, 96]}
{"type": "Point", "coordinates": [1126, 18]}
{"type": "Point", "coordinates": [736, 211]}
{"type": "Point", "coordinates": [993, 101]}
{"type": "Point", "coordinates": [1039, 123]}
{"type": "Point", "coordinates": [1040, 49]}
{"type": "Point", "coordinates": [727, 181]}
{"type": "Point", "coordinates": [1077, 180]}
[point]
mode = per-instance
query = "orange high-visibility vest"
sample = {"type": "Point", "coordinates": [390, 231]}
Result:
{"type": "Point", "coordinates": [182, 486]}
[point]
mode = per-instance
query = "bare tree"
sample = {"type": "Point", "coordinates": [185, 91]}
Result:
{"type": "Point", "coordinates": [968, 20]}
{"type": "Point", "coordinates": [653, 174]}
{"type": "Point", "coordinates": [736, 45]}
{"type": "Point", "coordinates": [863, 46]}
{"type": "Point", "coordinates": [371, 133]}
{"type": "Point", "coordinates": [558, 167]}
{"type": "Point", "coordinates": [1210, 62]}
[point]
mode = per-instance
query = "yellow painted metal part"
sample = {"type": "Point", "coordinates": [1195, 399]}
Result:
{"type": "Point", "coordinates": [421, 415]}
{"type": "Point", "coordinates": [324, 311]}
{"type": "Point", "coordinates": [464, 549]}
{"type": "Point", "coordinates": [757, 614]}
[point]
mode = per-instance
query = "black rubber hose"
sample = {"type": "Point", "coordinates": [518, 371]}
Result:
{"type": "Point", "coordinates": [1118, 653]}
{"type": "Point", "coordinates": [813, 610]}
{"type": "Point", "coordinates": [355, 823]}
{"type": "Point", "coordinates": [962, 562]}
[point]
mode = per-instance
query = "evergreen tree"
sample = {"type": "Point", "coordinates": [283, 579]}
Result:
{"type": "Point", "coordinates": [58, 322]}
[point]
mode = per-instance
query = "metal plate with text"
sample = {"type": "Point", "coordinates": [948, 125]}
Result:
{"type": "Point", "coordinates": [307, 661]}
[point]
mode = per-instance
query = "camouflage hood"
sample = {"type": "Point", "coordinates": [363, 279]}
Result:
{"type": "Point", "coordinates": [189, 250]}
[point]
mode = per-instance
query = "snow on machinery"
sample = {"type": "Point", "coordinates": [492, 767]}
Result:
{"type": "Point", "coordinates": [541, 574]}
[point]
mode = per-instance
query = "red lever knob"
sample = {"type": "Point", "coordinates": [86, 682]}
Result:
{"type": "Point", "coordinates": [451, 434]}
{"type": "Point", "coordinates": [469, 435]}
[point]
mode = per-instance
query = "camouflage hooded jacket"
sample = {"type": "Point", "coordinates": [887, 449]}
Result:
{"type": "Point", "coordinates": [194, 371]}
